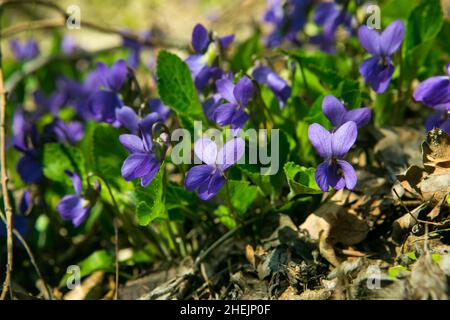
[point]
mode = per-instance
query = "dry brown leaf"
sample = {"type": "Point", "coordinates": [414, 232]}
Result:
{"type": "Point", "coordinates": [332, 223]}
{"type": "Point", "coordinates": [428, 281]}
{"type": "Point", "coordinates": [431, 184]}
{"type": "Point", "coordinates": [250, 255]}
{"type": "Point", "coordinates": [319, 294]}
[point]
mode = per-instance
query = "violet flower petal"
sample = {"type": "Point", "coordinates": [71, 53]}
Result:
{"type": "Point", "coordinates": [230, 153]}
{"type": "Point", "coordinates": [200, 38]}
{"type": "Point", "coordinates": [206, 150]}
{"type": "Point", "coordinates": [76, 181]}
{"type": "Point", "coordinates": [197, 176]}
{"type": "Point", "coordinates": [128, 118]}
{"type": "Point", "coordinates": [349, 174]}
{"type": "Point", "coordinates": [360, 116]}
{"type": "Point", "coordinates": [369, 40]}
{"type": "Point", "coordinates": [392, 37]}
{"type": "Point", "coordinates": [343, 139]}
{"type": "Point", "coordinates": [132, 143]}
{"type": "Point", "coordinates": [320, 139]}
{"type": "Point", "coordinates": [226, 87]}
{"type": "Point", "coordinates": [244, 91]}
{"type": "Point", "coordinates": [333, 109]}
{"type": "Point", "coordinates": [136, 166]}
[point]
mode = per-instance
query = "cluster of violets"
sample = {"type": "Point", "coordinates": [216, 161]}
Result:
{"type": "Point", "coordinates": [226, 100]}
{"type": "Point", "coordinates": [97, 98]}
{"type": "Point", "coordinates": [289, 17]}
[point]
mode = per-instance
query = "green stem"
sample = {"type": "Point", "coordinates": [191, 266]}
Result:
{"type": "Point", "coordinates": [230, 205]}
{"type": "Point", "coordinates": [401, 104]}
{"type": "Point", "coordinates": [302, 70]}
{"type": "Point", "coordinates": [128, 223]}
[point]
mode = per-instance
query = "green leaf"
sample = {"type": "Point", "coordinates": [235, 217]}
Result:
{"type": "Point", "coordinates": [252, 171]}
{"type": "Point", "coordinates": [315, 114]}
{"type": "Point", "coordinates": [151, 204]}
{"type": "Point", "coordinates": [242, 195]}
{"type": "Point", "coordinates": [397, 9]}
{"type": "Point", "coordinates": [394, 271]}
{"type": "Point", "coordinates": [175, 86]}
{"type": "Point", "coordinates": [178, 197]}
{"type": "Point", "coordinates": [224, 215]}
{"type": "Point", "coordinates": [300, 179]}
{"type": "Point", "coordinates": [424, 23]}
{"type": "Point", "coordinates": [99, 260]}
{"type": "Point", "coordinates": [108, 154]}
{"type": "Point", "coordinates": [147, 214]}
{"type": "Point", "coordinates": [246, 52]}
{"type": "Point", "coordinates": [58, 157]}
{"type": "Point", "coordinates": [269, 176]}
{"type": "Point", "coordinates": [322, 65]}
{"type": "Point", "coordinates": [348, 90]}
{"type": "Point", "coordinates": [306, 151]}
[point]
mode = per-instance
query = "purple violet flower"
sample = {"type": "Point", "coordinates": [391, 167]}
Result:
{"type": "Point", "coordinates": [78, 94]}
{"type": "Point", "coordinates": [439, 119]}
{"type": "Point", "coordinates": [76, 207]}
{"type": "Point", "coordinates": [68, 45]}
{"type": "Point", "coordinates": [329, 16]}
{"type": "Point", "coordinates": [156, 105]}
{"type": "Point", "coordinates": [378, 69]}
{"type": "Point", "coordinates": [207, 179]}
{"type": "Point", "coordinates": [26, 203]}
{"type": "Point", "coordinates": [20, 224]}
{"type": "Point", "coordinates": [103, 103]}
{"type": "Point", "coordinates": [135, 47]}
{"type": "Point", "coordinates": [112, 78]}
{"type": "Point", "coordinates": [128, 118]}
{"type": "Point", "coordinates": [51, 104]}
{"type": "Point", "coordinates": [333, 146]}
{"type": "Point", "coordinates": [288, 17]}
{"type": "Point", "coordinates": [29, 167]}
{"type": "Point", "coordinates": [335, 111]}
{"type": "Point", "coordinates": [24, 51]}
{"type": "Point", "coordinates": [237, 96]}
{"type": "Point", "coordinates": [435, 91]}
{"type": "Point", "coordinates": [210, 105]}
{"type": "Point", "coordinates": [279, 86]}
{"type": "Point", "coordinates": [144, 159]}
{"type": "Point", "coordinates": [26, 140]}
{"type": "Point", "coordinates": [65, 132]}
{"type": "Point", "coordinates": [200, 63]}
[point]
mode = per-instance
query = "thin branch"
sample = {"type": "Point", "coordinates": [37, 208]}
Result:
{"type": "Point", "coordinates": [37, 64]}
{"type": "Point", "coordinates": [116, 256]}
{"type": "Point", "coordinates": [32, 25]}
{"type": "Point", "coordinates": [417, 220]}
{"type": "Point", "coordinates": [221, 240]}
{"type": "Point", "coordinates": [61, 23]}
{"type": "Point", "coordinates": [30, 255]}
{"type": "Point", "coordinates": [4, 178]}
{"type": "Point", "coordinates": [42, 3]}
